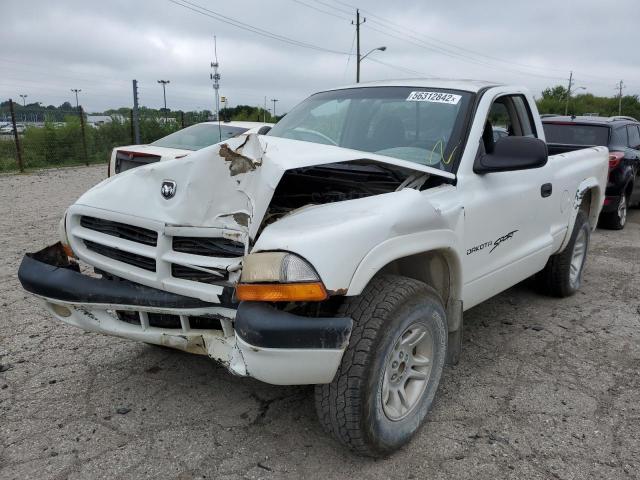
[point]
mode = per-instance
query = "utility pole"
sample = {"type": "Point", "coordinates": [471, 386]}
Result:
{"type": "Point", "coordinates": [264, 112]}
{"type": "Point", "coordinates": [357, 24]}
{"type": "Point", "coordinates": [274, 100]}
{"type": "Point", "coordinates": [76, 91]}
{"type": "Point", "coordinates": [135, 117]}
{"type": "Point", "coordinates": [566, 105]}
{"type": "Point", "coordinates": [620, 87]}
{"type": "Point", "coordinates": [24, 102]}
{"type": "Point", "coordinates": [164, 94]}
{"type": "Point", "coordinates": [215, 76]}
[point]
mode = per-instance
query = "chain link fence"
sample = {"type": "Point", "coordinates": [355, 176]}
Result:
{"type": "Point", "coordinates": [32, 139]}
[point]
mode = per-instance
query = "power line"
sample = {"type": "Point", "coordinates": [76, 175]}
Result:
{"type": "Point", "coordinates": [346, 68]}
{"type": "Point", "coordinates": [321, 11]}
{"type": "Point", "coordinates": [349, 11]}
{"type": "Point", "coordinates": [401, 30]}
{"type": "Point", "coordinates": [419, 42]}
{"type": "Point", "coordinates": [397, 67]}
{"type": "Point", "coordinates": [245, 26]}
{"type": "Point", "coordinates": [462, 57]}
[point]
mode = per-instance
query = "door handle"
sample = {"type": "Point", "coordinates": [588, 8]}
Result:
{"type": "Point", "coordinates": [545, 190]}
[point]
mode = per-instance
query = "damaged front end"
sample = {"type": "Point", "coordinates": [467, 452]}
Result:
{"type": "Point", "coordinates": [250, 339]}
{"type": "Point", "coordinates": [168, 243]}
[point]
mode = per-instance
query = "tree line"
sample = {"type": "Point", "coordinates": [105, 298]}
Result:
{"type": "Point", "coordinates": [37, 112]}
{"type": "Point", "coordinates": [59, 142]}
{"type": "Point", "coordinates": [554, 100]}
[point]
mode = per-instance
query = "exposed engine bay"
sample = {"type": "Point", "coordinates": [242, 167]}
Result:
{"type": "Point", "coordinates": [337, 182]}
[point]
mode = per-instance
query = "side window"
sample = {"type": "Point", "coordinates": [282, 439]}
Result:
{"type": "Point", "coordinates": [508, 116]}
{"type": "Point", "coordinates": [619, 137]}
{"type": "Point", "coordinates": [634, 136]}
{"type": "Point", "coordinates": [525, 117]}
{"type": "Point", "coordinates": [499, 116]}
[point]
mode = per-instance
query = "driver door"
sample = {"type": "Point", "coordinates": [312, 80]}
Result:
{"type": "Point", "coordinates": [506, 235]}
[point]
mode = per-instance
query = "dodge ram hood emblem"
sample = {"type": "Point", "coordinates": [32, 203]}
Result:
{"type": "Point", "coordinates": [168, 189]}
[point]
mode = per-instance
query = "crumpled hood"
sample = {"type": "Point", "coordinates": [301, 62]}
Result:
{"type": "Point", "coordinates": [226, 185]}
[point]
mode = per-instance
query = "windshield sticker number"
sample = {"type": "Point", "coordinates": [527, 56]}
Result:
{"type": "Point", "coordinates": [434, 97]}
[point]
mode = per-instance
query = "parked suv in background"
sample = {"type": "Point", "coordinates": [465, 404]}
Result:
{"type": "Point", "coordinates": [622, 136]}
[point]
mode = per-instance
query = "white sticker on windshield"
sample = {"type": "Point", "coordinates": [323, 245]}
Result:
{"type": "Point", "coordinates": [434, 97]}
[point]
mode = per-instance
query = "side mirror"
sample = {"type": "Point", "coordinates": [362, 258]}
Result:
{"type": "Point", "coordinates": [264, 130]}
{"type": "Point", "coordinates": [513, 153]}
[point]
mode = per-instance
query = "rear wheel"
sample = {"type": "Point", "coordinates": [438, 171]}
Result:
{"type": "Point", "coordinates": [562, 276]}
{"type": "Point", "coordinates": [391, 369]}
{"type": "Point", "coordinates": [617, 219]}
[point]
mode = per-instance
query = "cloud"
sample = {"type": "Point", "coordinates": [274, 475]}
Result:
{"type": "Point", "coordinates": [51, 47]}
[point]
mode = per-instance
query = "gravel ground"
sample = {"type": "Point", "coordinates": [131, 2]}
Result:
{"type": "Point", "coordinates": [546, 388]}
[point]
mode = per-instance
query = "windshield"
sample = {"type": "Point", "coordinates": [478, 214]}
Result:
{"type": "Point", "coordinates": [576, 134]}
{"type": "Point", "coordinates": [199, 136]}
{"type": "Point", "coordinates": [421, 125]}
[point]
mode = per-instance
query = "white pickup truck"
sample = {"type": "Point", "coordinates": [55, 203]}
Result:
{"type": "Point", "coordinates": [340, 249]}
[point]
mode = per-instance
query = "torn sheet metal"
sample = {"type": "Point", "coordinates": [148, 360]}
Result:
{"type": "Point", "coordinates": [227, 186]}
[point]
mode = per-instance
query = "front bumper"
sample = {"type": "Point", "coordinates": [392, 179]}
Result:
{"type": "Point", "coordinates": [253, 339]}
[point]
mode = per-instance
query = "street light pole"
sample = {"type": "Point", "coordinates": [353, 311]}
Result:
{"type": "Point", "coordinates": [24, 102]}
{"type": "Point", "coordinates": [274, 100]}
{"type": "Point", "coordinates": [76, 91]}
{"type": "Point", "coordinates": [164, 94]}
{"type": "Point", "coordinates": [361, 58]}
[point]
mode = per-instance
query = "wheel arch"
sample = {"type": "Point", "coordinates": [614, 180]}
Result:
{"type": "Point", "coordinates": [433, 267]}
{"type": "Point", "coordinates": [429, 257]}
{"type": "Point", "coordinates": [592, 198]}
{"type": "Point", "coordinates": [588, 199]}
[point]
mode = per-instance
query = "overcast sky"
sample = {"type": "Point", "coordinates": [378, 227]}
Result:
{"type": "Point", "coordinates": [47, 48]}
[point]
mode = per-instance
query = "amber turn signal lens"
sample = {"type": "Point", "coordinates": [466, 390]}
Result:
{"type": "Point", "coordinates": [281, 292]}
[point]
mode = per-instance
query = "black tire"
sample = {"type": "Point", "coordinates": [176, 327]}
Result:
{"type": "Point", "coordinates": [617, 219]}
{"type": "Point", "coordinates": [556, 278]}
{"type": "Point", "coordinates": [351, 406]}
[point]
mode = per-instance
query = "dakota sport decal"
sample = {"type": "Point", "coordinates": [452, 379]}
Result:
{"type": "Point", "coordinates": [492, 243]}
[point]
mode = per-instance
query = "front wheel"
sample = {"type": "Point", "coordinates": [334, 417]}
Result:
{"type": "Point", "coordinates": [391, 369]}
